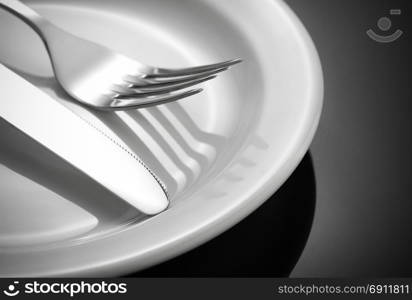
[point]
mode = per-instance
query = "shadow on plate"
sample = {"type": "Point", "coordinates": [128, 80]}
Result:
{"type": "Point", "coordinates": [28, 158]}
{"type": "Point", "coordinates": [179, 172]}
{"type": "Point", "coordinates": [268, 243]}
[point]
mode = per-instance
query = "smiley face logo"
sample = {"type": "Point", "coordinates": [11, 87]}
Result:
{"type": "Point", "coordinates": [384, 25]}
{"type": "Point", "coordinates": [12, 290]}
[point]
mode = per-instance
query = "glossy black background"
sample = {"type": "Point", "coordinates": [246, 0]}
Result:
{"type": "Point", "coordinates": [347, 210]}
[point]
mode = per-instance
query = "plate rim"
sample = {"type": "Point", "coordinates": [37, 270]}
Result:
{"type": "Point", "coordinates": [250, 202]}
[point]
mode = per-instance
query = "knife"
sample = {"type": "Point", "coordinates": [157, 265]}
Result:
{"type": "Point", "coordinates": [79, 143]}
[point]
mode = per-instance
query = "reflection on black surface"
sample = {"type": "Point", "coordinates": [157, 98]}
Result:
{"type": "Point", "coordinates": [268, 243]}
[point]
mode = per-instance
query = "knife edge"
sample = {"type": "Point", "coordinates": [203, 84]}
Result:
{"type": "Point", "coordinates": [80, 143]}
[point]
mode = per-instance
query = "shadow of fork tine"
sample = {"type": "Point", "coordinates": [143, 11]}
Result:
{"type": "Point", "coordinates": [166, 73]}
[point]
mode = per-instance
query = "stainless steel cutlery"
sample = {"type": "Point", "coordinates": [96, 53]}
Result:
{"type": "Point", "coordinates": [107, 161]}
{"type": "Point", "coordinates": [101, 78]}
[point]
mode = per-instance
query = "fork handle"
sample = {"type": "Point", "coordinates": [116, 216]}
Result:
{"type": "Point", "coordinates": [26, 14]}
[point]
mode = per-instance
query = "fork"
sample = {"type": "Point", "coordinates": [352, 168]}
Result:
{"type": "Point", "coordinates": [103, 79]}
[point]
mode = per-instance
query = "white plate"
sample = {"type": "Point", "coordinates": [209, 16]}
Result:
{"type": "Point", "coordinates": [221, 153]}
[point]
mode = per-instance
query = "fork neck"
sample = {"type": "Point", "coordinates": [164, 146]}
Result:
{"type": "Point", "coordinates": [27, 15]}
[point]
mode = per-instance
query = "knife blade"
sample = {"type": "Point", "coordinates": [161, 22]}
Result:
{"type": "Point", "coordinates": [79, 143]}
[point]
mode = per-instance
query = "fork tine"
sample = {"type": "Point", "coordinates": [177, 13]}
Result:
{"type": "Point", "coordinates": [165, 73]}
{"type": "Point", "coordinates": [143, 83]}
{"type": "Point", "coordinates": [133, 103]}
{"type": "Point", "coordinates": [153, 91]}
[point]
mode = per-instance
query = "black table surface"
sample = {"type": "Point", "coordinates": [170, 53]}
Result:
{"type": "Point", "coordinates": [347, 209]}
